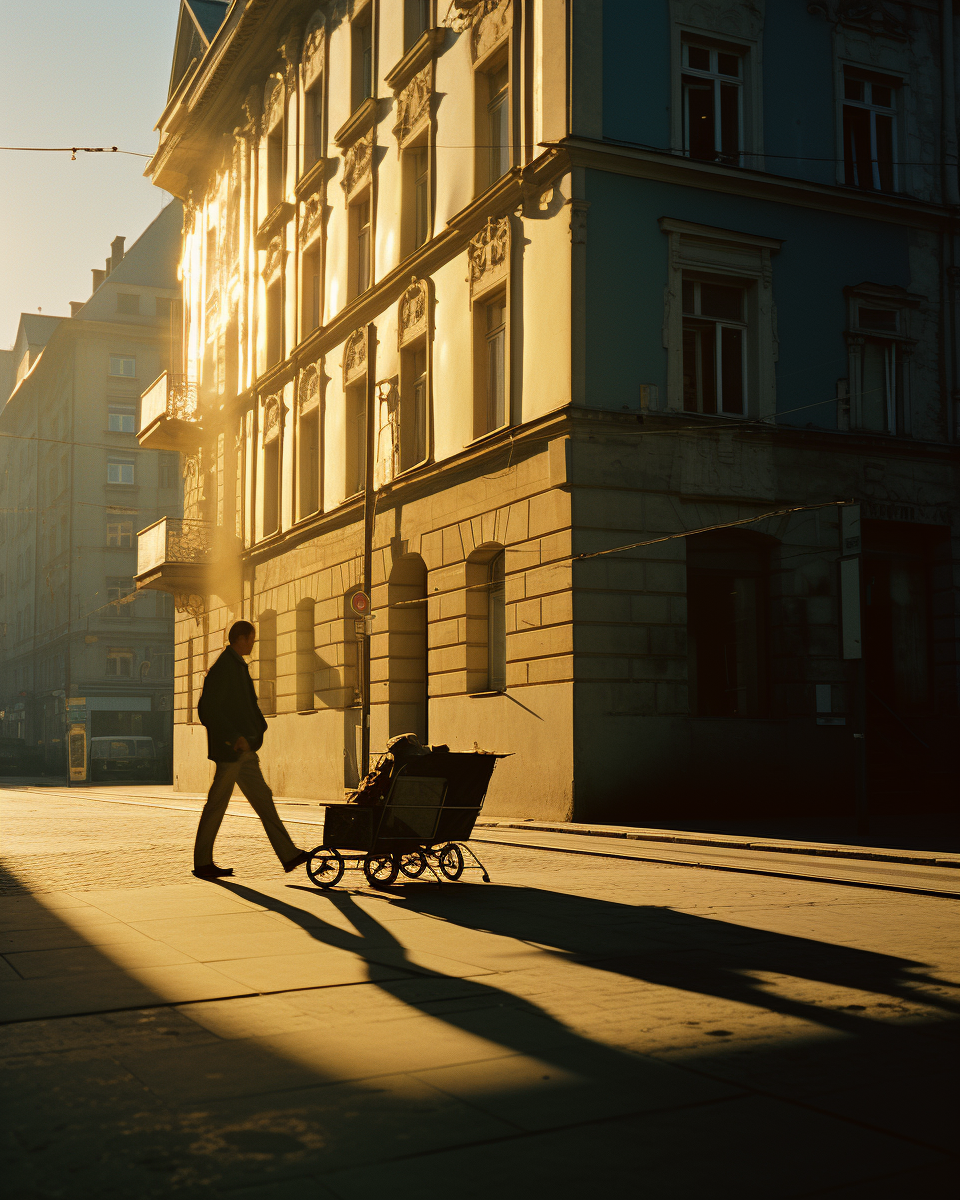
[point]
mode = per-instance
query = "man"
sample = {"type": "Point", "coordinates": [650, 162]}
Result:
{"type": "Point", "coordinates": [235, 726]}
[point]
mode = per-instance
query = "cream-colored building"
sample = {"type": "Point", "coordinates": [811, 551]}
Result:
{"type": "Point", "coordinates": [431, 277]}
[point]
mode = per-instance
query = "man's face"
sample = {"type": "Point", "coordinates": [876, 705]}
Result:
{"type": "Point", "coordinates": [244, 644]}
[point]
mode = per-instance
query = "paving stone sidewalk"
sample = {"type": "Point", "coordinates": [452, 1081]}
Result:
{"type": "Point", "coordinates": [579, 1024]}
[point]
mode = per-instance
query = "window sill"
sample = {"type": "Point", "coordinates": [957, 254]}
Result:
{"type": "Point", "coordinates": [489, 435]}
{"type": "Point", "coordinates": [415, 59]}
{"type": "Point", "coordinates": [482, 695]}
{"type": "Point", "coordinates": [360, 120]}
{"type": "Point", "coordinates": [305, 712]}
{"type": "Point", "coordinates": [311, 180]}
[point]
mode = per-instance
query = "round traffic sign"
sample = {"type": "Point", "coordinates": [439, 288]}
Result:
{"type": "Point", "coordinates": [360, 603]}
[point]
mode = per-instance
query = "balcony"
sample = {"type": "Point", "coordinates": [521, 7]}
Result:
{"type": "Point", "coordinates": [168, 414]}
{"type": "Point", "coordinates": [174, 555]}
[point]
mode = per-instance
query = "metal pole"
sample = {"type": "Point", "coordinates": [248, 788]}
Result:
{"type": "Point", "coordinates": [860, 736]}
{"type": "Point", "coordinates": [368, 503]}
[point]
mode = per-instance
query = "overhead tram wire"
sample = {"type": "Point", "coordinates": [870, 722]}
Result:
{"type": "Point", "coordinates": [73, 151]}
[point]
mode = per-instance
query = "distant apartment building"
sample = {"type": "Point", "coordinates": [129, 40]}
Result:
{"type": "Point", "coordinates": [79, 648]}
{"type": "Point", "coordinates": [508, 312]}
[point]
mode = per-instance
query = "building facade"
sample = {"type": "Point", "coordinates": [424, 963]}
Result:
{"type": "Point", "coordinates": [81, 648]}
{"type": "Point", "coordinates": [484, 319]}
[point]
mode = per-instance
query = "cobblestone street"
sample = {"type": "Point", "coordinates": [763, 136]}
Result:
{"type": "Point", "coordinates": [579, 1023]}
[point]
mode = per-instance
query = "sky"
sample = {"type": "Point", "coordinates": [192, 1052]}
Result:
{"type": "Point", "coordinates": [75, 72]}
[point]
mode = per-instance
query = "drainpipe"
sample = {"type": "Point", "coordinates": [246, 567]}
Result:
{"type": "Point", "coordinates": [368, 517]}
{"type": "Point", "coordinates": [951, 198]}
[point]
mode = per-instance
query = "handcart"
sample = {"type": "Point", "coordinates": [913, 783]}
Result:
{"type": "Point", "coordinates": [427, 812]}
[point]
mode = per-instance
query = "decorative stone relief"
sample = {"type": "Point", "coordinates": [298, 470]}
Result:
{"type": "Point", "coordinates": [272, 418]}
{"type": "Point", "coordinates": [413, 105]}
{"type": "Point", "coordinates": [273, 97]}
{"type": "Point", "coordinates": [875, 17]}
{"type": "Point", "coordinates": [467, 14]}
{"type": "Point", "coordinates": [490, 29]}
{"type": "Point", "coordinates": [309, 389]}
{"type": "Point", "coordinates": [489, 255]}
{"type": "Point", "coordinates": [578, 221]}
{"type": "Point", "coordinates": [354, 357]}
{"type": "Point", "coordinates": [311, 218]}
{"type": "Point", "coordinates": [274, 259]}
{"type": "Point", "coordinates": [413, 312]}
{"type": "Point", "coordinates": [744, 18]}
{"type": "Point", "coordinates": [251, 111]}
{"type": "Point", "coordinates": [357, 161]}
{"type": "Point", "coordinates": [290, 49]}
{"type": "Point", "coordinates": [314, 45]}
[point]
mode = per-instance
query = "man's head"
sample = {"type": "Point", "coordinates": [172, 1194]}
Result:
{"type": "Point", "coordinates": [241, 637]}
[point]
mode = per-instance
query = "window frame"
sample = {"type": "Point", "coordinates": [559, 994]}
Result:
{"type": "Point", "coordinates": [119, 654]}
{"type": "Point", "coordinates": [696, 320]}
{"type": "Point", "coordinates": [122, 373]}
{"type": "Point", "coordinates": [741, 258]}
{"type": "Point", "coordinates": [499, 59]}
{"type": "Point", "coordinates": [717, 81]}
{"type": "Point", "coordinates": [897, 84]}
{"type": "Point", "coordinates": [362, 71]}
{"type": "Point", "coordinates": [114, 461]}
{"type": "Point", "coordinates": [898, 346]}
{"type": "Point", "coordinates": [122, 411]}
{"type": "Point", "coordinates": [483, 340]}
{"type": "Point", "coordinates": [747, 44]}
{"type": "Point", "coordinates": [124, 529]}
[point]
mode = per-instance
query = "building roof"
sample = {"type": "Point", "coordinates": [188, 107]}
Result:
{"type": "Point", "coordinates": [208, 14]}
{"type": "Point", "coordinates": [198, 23]}
{"type": "Point", "coordinates": [37, 328]}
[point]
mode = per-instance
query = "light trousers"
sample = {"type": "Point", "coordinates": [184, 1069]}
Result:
{"type": "Point", "coordinates": [245, 774]}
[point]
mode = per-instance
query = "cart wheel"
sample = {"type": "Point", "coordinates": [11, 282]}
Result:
{"type": "Point", "coordinates": [381, 869]}
{"type": "Point", "coordinates": [413, 864]}
{"type": "Point", "coordinates": [450, 861]}
{"type": "Point", "coordinates": [325, 866]}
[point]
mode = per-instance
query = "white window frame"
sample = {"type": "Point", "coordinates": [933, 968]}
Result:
{"type": "Point", "coordinates": [713, 77]}
{"type": "Point", "coordinates": [737, 30]}
{"type": "Point", "coordinates": [121, 372]}
{"type": "Point", "coordinates": [121, 463]}
{"type": "Point", "coordinates": [122, 411]}
{"type": "Point", "coordinates": [898, 347]}
{"type": "Point", "coordinates": [898, 86]}
{"type": "Point", "coordinates": [746, 258]}
{"type": "Point", "coordinates": [719, 324]}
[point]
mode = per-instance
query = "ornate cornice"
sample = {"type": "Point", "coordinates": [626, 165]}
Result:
{"type": "Point", "coordinates": [415, 59]}
{"type": "Point", "coordinates": [357, 123]}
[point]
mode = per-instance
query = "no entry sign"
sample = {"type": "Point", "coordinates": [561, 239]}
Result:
{"type": "Point", "coordinates": [360, 603]}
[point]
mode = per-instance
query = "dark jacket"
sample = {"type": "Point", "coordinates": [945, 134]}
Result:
{"type": "Point", "coordinates": [228, 708]}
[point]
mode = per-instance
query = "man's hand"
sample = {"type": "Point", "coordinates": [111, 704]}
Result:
{"type": "Point", "coordinates": [242, 745]}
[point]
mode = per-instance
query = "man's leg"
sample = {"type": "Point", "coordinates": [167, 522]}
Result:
{"type": "Point", "coordinates": [251, 782]}
{"type": "Point", "coordinates": [217, 800]}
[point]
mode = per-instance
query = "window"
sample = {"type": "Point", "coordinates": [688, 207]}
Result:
{"type": "Point", "coordinates": [498, 124]}
{"type": "Point", "coordinates": [712, 103]}
{"type": "Point", "coordinates": [120, 534]}
{"type": "Point", "coordinates": [117, 590]}
{"type": "Point", "coordinates": [121, 365]}
{"type": "Point", "coordinates": [274, 166]}
{"type": "Point", "coordinates": [120, 470]}
{"type": "Point", "coordinates": [496, 626]}
{"type": "Point", "coordinates": [271, 486]}
{"type": "Point", "coordinates": [267, 663]}
{"type": "Point", "coordinates": [360, 218]}
{"type": "Point", "coordinates": [719, 325]}
{"type": "Point", "coordinates": [313, 124]}
{"type": "Point", "coordinates": [311, 291]}
{"type": "Point", "coordinates": [356, 440]}
{"type": "Point", "coordinates": [362, 58]}
{"type": "Point", "coordinates": [120, 663]}
{"type": "Point", "coordinates": [714, 347]}
{"type": "Point", "coordinates": [165, 605]}
{"type": "Point", "coordinates": [727, 583]}
{"type": "Point", "coordinates": [492, 377]}
{"type": "Point", "coordinates": [415, 218]}
{"type": "Point", "coordinates": [413, 405]}
{"type": "Point", "coordinates": [122, 418]}
{"type": "Point", "coordinates": [129, 305]}
{"type": "Point", "coordinates": [878, 348]}
{"type": "Point", "coordinates": [169, 470]}
{"type": "Point", "coordinates": [869, 131]}
{"type": "Point", "coordinates": [164, 308]}
{"type": "Point", "coordinates": [274, 321]}
{"type": "Point", "coordinates": [306, 656]}
{"type": "Point", "coordinates": [416, 20]}
{"type": "Point", "coordinates": [309, 461]}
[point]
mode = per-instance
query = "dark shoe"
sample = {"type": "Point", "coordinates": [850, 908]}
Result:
{"type": "Point", "coordinates": [296, 862]}
{"type": "Point", "coordinates": [212, 872]}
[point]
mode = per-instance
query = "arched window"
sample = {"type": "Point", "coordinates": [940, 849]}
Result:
{"type": "Point", "coordinates": [496, 626]}
{"type": "Point", "coordinates": [306, 656]}
{"type": "Point", "coordinates": [267, 663]}
{"type": "Point", "coordinates": [486, 620]}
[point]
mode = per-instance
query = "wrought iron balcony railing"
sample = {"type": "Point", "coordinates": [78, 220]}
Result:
{"type": "Point", "coordinates": [173, 554]}
{"type": "Point", "coordinates": [169, 417]}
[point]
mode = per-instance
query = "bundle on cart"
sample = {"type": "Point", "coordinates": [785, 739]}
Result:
{"type": "Point", "coordinates": [412, 813]}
